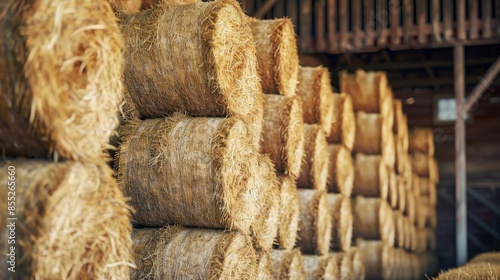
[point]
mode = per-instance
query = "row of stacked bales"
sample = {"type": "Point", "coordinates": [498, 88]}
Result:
{"type": "Point", "coordinates": [61, 91]}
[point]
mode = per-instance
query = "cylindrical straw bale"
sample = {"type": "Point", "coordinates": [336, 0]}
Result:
{"type": "Point", "coordinates": [400, 229]}
{"type": "Point", "coordinates": [148, 4]}
{"type": "Point", "coordinates": [421, 140]}
{"type": "Point", "coordinates": [421, 164]}
{"type": "Point", "coordinates": [265, 265]}
{"type": "Point", "coordinates": [215, 71]}
{"type": "Point", "coordinates": [407, 230]}
{"type": "Point", "coordinates": [315, 223]}
{"type": "Point", "coordinates": [283, 139]}
{"type": "Point", "coordinates": [488, 257]}
{"type": "Point", "coordinates": [389, 150]}
{"type": "Point", "coordinates": [126, 6]}
{"type": "Point", "coordinates": [180, 253]}
{"type": "Point", "coordinates": [428, 188]}
{"type": "Point", "coordinates": [392, 195]}
{"type": "Point", "coordinates": [373, 219]}
{"type": "Point", "coordinates": [368, 90]}
{"type": "Point", "coordinates": [313, 88]}
{"type": "Point", "coordinates": [288, 264]}
{"type": "Point", "coordinates": [370, 176]}
{"type": "Point", "coordinates": [314, 168]}
{"type": "Point", "coordinates": [472, 271]}
{"type": "Point", "coordinates": [401, 193]}
{"type": "Point", "coordinates": [265, 225]}
{"type": "Point", "coordinates": [277, 55]}
{"type": "Point", "coordinates": [343, 126]}
{"type": "Point", "coordinates": [376, 258]}
{"type": "Point", "coordinates": [344, 264]}
{"type": "Point", "coordinates": [371, 133]}
{"type": "Point", "coordinates": [415, 185]}
{"type": "Point", "coordinates": [341, 170]}
{"type": "Point", "coordinates": [413, 236]}
{"type": "Point", "coordinates": [289, 213]}
{"type": "Point", "coordinates": [60, 78]}
{"type": "Point", "coordinates": [341, 211]}
{"type": "Point", "coordinates": [222, 192]}
{"type": "Point", "coordinates": [320, 267]}
{"type": "Point", "coordinates": [73, 221]}
{"type": "Point", "coordinates": [405, 133]}
{"type": "Point", "coordinates": [357, 263]}
{"type": "Point", "coordinates": [399, 126]}
{"type": "Point", "coordinates": [410, 205]}
{"type": "Point", "coordinates": [400, 154]}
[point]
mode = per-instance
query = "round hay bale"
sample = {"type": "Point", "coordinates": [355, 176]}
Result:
{"type": "Point", "coordinates": [341, 170]}
{"type": "Point", "coordinates": [371, 133]}
{"type": "Point", "coordinates": [265, 225]}
{"type": "Point", "coordinates": [410, 206]}
{"type": "Point", "coordinates": [288, 264]}
{"type": "Point", "coordinates": [220, 194]}
{"type": "Point", "coordinates": [283, 139]}
{"type": "Point", "coordinates": [370, 176]}
{"type": "Point", "coordinates": [389, 150]}
{"type": "Point", "coordinates": [341, 211]}
{"type": "Point", "coordinates": [488, 257]}
{"type": "Point", "coordinates": [343, 125]}
{"type": "Point", "coordinates": [415, 185]}
{"type": "Point", "coordinates": [277, 55]}
{"type": "Point", "coordinates": [401, 193]}
{"type": "Point", "coordinates": [60, 78]}
{"type": "Point", "coordinates": [126, 6]}
{"type": "Point", "coordinates": [368, 90]}
{"type": "Point", "coordinates": [415, 267]}
{"type": "Point", "coordinates": [288, 218]}
{"type": "Point", "coordinates": [187, 253]}
{"type": "Point", "coordinates": [422, 211]}
{"type": "Point", "coordinates": [413, 237]}
{"type": "Point", "coordinates": [358, 266]}
{"type": "Point", "coordinates": [264, 265]}
{"type": "Point", "coordinates": [72, 221]}
{"type": "Point", "coordinates": [197, 59]}
{"type": "Point", "coordinates": [148, 4]}
{"type": "Point", "coordinates": [344, 263]}
{"type": "Point", "coordinates": [393, 188]}
{"type": "Point", "coordinates": [320, 267]}
{"type": "Point", "coordinates": [405, 133]}
{"type": "Point", "coordinates": [428, 188]}
{"type": "Point", "coordinates": [376, 258]}
{"type": "Point", "coordinates": [399, 125]}
{"type": "Point", "coordinates": [373, 219]}
{"type": "Point", "coordinates": [472, 271]}
{"type": "Point", "coordinates": [400, 229]}
{"type": "Point", "coordinates": [315, 223]}
{"type": "Point", "coordinates": [314, 89]}
{"type": "Point", "coordinates": [314, 168]}
{"type": "Point", "coordinates": [421, 140]}
{"type": "Point", "coordinates": [400, 154]}
{"type": "Point", "coordinates": [407, 231]}
{"type": "Point", "coordinates": [425, 166]}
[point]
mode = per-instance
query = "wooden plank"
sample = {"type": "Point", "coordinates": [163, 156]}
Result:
{"type": "Point", "coordinates": [356, 23]}
{"type": "Point", "coordinates": [473, 13]}
{"type": "Point", "coordinates": [436, 30]}
{"type": "Point", "coordinates": [395, 12]}
{"type": "Point", "coordinates": [369, 22]}
{"type": "Point", "coordinates": [279, 9]}
{"type": "Point", "coordinates": [332, 25]}
{"type": "Point", "coordinates": [320, 25]}
{"type": "Point", "coordinates": [291, 11]}
{"type": "Point", "coordinates": [483, 84]}
{"type": "Point", "coordinates": [344, 25]}
{"type": "Point", "coordinates": [422, 20]}
{"type": "Point", "coordinates": [461, 32]}
{"type": "Point", "coordinates": [487, 18]}
{"type": "Point", "coordinates": [305, 25]}
{"type": "Point", "coordinates": [408, 21]}
{"type": "Point", "coordinates": [382, 19]}
{"type": "Point", "coordinates": [448, 19]}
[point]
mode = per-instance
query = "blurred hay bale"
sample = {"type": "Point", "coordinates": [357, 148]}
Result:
{"type": "Point", "coordinates": [392, 195]}
{"type": "Point", "coordinates": [289, 213]}
{"type": "Point", "coordinates": [314, 168]}
{"type": "Point", "coordinates": [373, 219]}
{"type": "Point", "coordinates": [488, 257]}
{"type": "Point", "coordinates": [264, 265]}
{"type": "Point", "coordinates": [343, 125]}
{"type": "Point", "coordinates": [358, 267]}
{"type": "Point", "coordinates": [60, 78]}
{"type": "Point", "coordinates": [376, 258]}
{"type": "Point", "coordinates": [288, 264]}
{"type": "Point", "coordinates": [179, 253]}
{"type": "Point", "coordinates": [399, 241]}
{"type": "Point", "coordinates": [344, 262]}
{"type": "Point", "coordinates": [320, 267]}
{"type": "Point", "coordinates": [410, 206]}
{"type": "Point", "coordinates": [421, 140]}
{"type": "Point", "coordinates": [126, 6]}
{"type": "Point", "coordinates": [370, 176]}
{"type": "Point", "coordinates": [341, 170]}
{"type": "Point", "coordinates": [342, 221]}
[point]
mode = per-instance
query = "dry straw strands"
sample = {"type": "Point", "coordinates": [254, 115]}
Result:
{"type": "Point", "coordinates": [314, 88]}
{"type": "Point", "coordinates": [265, 266]}
{"type": "Point", "coordinates": [488, 257]}
{"type": "Point", "coordinates": [277, 55]}
{"type": "Point", "coordinates": [421, 140]}
{"type": "Point", "coordinates": [358, 266]}
{"type": "Point", "coordinates": [75, 222]}
{"type": "Point", "coordinates": [320, 267]}
{"type": "Point", "coordinates": [288, 264]}
{"type": "Point", "coordinates": [314, 168]}
{"type": "Point", "coordinates": [288, 224]}
{"type": "Point", "coordinates": [373, 219]}
{"type": "Point", "coordinates": [221, 193]}
{"type": "Point", "coordinates": [371, 134]}
{"type": "Point", "coordinates": [341, 211]}
{"type": "Point", "coordinates": [472, 271]}
{"type": "Point", "coordinates": [315, 223]}
{"type": "Point", "coordinates": [343, 126]}
{"type": "Point", "coordinates": [341, 170]}
{"type": "Point", "coordinates": [370, 176]}
{"type": "Point", "coordinates": [180, 253]}
{"type": "Point", "coordinates": [213, 71]}
{"type": "Point", "coordinates": [60, 78]}
{"type": "Point", "coordinates": [147, 4]}
{"type": "Point", "coordinates": [283, 139]}
{"type": "Point", "coordinates": [376, 258]}
{"type": "Point", "coordinates": [368, 90]}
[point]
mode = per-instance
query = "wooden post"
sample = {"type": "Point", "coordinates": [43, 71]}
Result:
{"type": "Point", "coordinates": [332, 25]}
{"type": "Point", "coordinates": [395, 12]}
{"type": "Point", "coordinates": [461, 20]}
{"type": "Point", "coordinates": [435, 11]}
{"type": "Point", "coordinates": [305, 18]}
{"type": "Point", "coordinates": [460, 167]}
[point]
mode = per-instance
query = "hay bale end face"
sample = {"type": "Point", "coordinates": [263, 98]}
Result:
{"type": "Point", "coordinates": [376, 258]}
{"type": "Point", "coordinates": [220, 194]}
{"type": "Point", "coordinates": [265, 268]}
{"type": "Point", "coordinates": [288, 264]}
{"type": "Point", "coordinates": [75, 222]}
{"type": "Point", "coordinates": [289, 213]}
{"type": "Point", "coordinates": [372, 219]}
{"type": "Point", "coordinates": [59, 97]}
{"type": "Point", "coordinates": [179, 253]}
{"type": "Point", "coordinates": [314, 168]}
{"type": "Point", "coordinates": [341, 170]}
{"type": "Point", "coordinates": [421, 140]}
{"type": "Point", "coordinates": [277, 55]}
{"type": "Point", "coordinates": [368, 90]}
{"type": "Point", "coordinates": [370, 176]}
{"type": "Point", "coordinates": [343, 125]}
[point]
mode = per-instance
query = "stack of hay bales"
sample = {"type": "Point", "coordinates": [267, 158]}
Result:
{"type": "Point", "coordinates": [483, 266]}
{"type": "Point", "coordinates": [60, 77]}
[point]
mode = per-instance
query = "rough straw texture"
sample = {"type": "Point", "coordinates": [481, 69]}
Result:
{"type": "Point", "coordinates": [75, 222]}
{"type": "Point", "coordinates": [488, 257]}
{"type": "Point", "coordinates": [265, 265]}
{"type": "Point", "coordinates": [288, 264]}
{"type": "Point", "coordinates": [189, 171]}
{"type": "Point", "coordinates": [472, 271]}
{"type": "Point", "coordinates": [376, 258]}
{"type": "Point", "coordinates": [342, 220]}
{"type": "Point", "coordinates": [421, 164]}
{"type": "Point", "coordinates": [320, 267]}
{"type": "Point", "coordinates": [288, 224]}
{"type": "Point", "coordinates": [370, 176]}
{"type": "Point", "coordinates": [315, 223]}
{"type": "Point", "coordinates": [343, 126]}
{"type": "Point", "coordinates": [314, 169]}
{"type": "Point", "coordinates": [341, 170]}
{"type": "Point", "coordinates": [283, 139]}
{"type": "Point", "coordinates": [421, 140]}
{"type": "Point", "coordinates": [314, 88]}
{"type": "Point", "coordinates": [178, 253]}
{"type": "Point", "coordinates": [368, 91]}
{"type": "Point", "coordinates": [372, 219]}
{"type": "Point", "coordinates": [60, 78]}
{"type": "Point", "coordinates": [371, 133]}
{"type": "Point", "coordinates": [277, 55]}
{"type": "Point", "coordinates": [126, 6]}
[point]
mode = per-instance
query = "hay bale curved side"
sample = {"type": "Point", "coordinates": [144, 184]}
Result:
{"type": "Point", "coordinates": [61, 87]}
{"type": "Point", "coordinates": [264, 265]}
{"type": "Point", "coordinates": [368, 90]}
{"type": "Point", "coordinates": [343, 125]}
{"type": "Point", "coordinates": [289, 213]}
{"type": "Point", "coordinates": [221, 192]}
{"type": "Point", "coordinates": [472, 271]}
{"type": "Point", "coordinates": [376, 258]}
{"type": "Point", "coordinates": [76, 224]}
{"type": "Point", "coordinates": [320, 267]}
{"type": "Point", "coordinates": [421, 140]}
{"type": "Point", "coordinates": [180, 253]}
{"type": "Point", "coordinates": [372, 219]}
{"type": "Point", "coordinates": [371, 133]}
{"type": "Point", "coordinates": [341, 170]}
{"type": "Point", "coordinates": [344, 263]}
{"type": "Point", "coordinates": [357, 263]}
{"type": "Point", "coordinates": [392, 194]}
{"type": "Point", "coordinates": [370, 176]}
{"type": "Point", "coordinates": [488, 257]}
{"type": "Point", "coordinates": [342, 221]}
{"type": "Point", "coordinates": [288, 264]}
{"type": "Point", "coordinates": [314, 168]}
